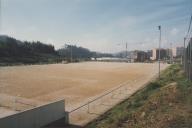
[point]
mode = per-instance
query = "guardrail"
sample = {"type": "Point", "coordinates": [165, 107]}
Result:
{"type": "Point", "coordinates": [99, 97]}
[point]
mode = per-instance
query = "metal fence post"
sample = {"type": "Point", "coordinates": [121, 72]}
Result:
{"type": "Point", "coordinates": [184, 56]}
{"type": "Point", "coordinates": [88, 107]}
{"type": "Point", "coordinates": [190, 59]}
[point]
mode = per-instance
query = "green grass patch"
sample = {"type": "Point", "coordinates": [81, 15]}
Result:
{"type": "Point", "coordinates": [163, 103]}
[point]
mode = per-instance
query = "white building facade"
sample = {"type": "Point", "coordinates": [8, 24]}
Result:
{"type": "Point", "coordinates": [177, 51]}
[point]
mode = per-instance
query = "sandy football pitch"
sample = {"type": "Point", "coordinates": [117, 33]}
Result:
{"type": "Point", "coordinates": [76, 83]}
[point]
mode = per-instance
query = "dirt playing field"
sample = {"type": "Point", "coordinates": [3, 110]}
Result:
{"type": "Point", "coordinates": [76, 83]}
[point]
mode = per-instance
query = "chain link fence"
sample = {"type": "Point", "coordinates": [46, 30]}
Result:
{"type": "Point", "coordinates": [188, 59]}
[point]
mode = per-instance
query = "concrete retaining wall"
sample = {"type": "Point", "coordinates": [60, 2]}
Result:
{"type": "Point", "coordinates": [36, 117]}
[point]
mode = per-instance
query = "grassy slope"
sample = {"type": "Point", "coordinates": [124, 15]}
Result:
{"type": "Point", "coordinates": [164, 103]}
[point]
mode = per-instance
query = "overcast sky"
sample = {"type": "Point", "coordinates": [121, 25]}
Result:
{"type": "Point", "coordinates": [100, 25]}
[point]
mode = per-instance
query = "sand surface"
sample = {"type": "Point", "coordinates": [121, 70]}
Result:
{"type": "Point", "coordinates": [77, 83]}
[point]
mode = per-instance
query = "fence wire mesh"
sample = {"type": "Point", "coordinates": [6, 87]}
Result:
{"type": "Point", "coordinates": [188, 59]}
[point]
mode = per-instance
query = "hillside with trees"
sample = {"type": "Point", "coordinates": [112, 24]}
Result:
{"type": "Point", "coordinates": [13, 51]}
{"type": "Point", "coordinates": [75, 53]}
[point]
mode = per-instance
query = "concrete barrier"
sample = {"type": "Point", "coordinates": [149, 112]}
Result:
{"type": "Point", "coordinates": [36, 117]}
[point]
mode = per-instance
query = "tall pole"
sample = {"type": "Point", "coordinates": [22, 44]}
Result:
{"type": "Point", "coordinates": [184, 55]}
{"type": "Point", "coordinates": [188, 60]}
{"type": "Point", "coordinates": [159, 49]}
{"type": "Point", "coordinates": [126, 50]}
{"type": "Point", "coordinates": [0, 15]}
{"type": "Point", "coordinates": [171, 55]}
{"type": "Point", "coordinates": [190, 57]}
{"type": "Point", "coordinates": [71, 54]}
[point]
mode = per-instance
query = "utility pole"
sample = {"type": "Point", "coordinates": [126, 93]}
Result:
{"type": "Point", "coordinates": [159, 49]}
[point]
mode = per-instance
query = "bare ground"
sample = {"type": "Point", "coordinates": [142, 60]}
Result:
{"type": "Point", "coordinates": [76, 83]}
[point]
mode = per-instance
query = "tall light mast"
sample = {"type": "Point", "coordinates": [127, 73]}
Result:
{"type": "Point", "coordinates": [159, 49]}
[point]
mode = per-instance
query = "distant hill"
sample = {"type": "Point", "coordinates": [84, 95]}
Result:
{"type": "Point", "coordinates": [79, 53]}
{"type": "Point", "coordinates": [13, 51]}
{"type": "Point", "coordinates": [75, 53]}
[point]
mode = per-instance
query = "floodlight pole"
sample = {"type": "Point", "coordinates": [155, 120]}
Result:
{"type": "Point", "coordinates": [171, 55]}
{"type": "Point", "coordinates": [0, 15]}
{"type": "Point", "coordinates": [71, 54]}
{"type": "Point", "coordinates": [126, 50]}
{"type": "Point", "coordinates": [190, 56]}
{"type": "Point", "coordinates": [159, 49]}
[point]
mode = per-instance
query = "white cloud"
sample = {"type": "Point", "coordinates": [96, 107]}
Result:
{"type": "Point", "coordinates": [174, 31]}
{"type": "Point", "coordinates": [125, 22]}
